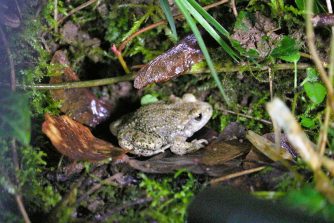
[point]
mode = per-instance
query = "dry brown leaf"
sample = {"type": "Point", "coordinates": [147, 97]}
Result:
{"type": "Point", "coordinates": [217, 159]}
{"type": "Point", "coordinates": [190, 162]}
{"type": "Point", "coordinates": [75, 141]}
{"type": "Point", "coordinates": [220, 152]}
{"type": "Point", "coordinates": [267, 147]}
{"type": "Point", "coordinates": [172, 63]}
{"type": "Point", "coordinates": [78, 103]}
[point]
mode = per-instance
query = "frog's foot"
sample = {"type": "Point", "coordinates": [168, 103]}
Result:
{"type": "Point", "coordinates": [181, 147]}
{"type": "Point", "coordinates": [200, 143]}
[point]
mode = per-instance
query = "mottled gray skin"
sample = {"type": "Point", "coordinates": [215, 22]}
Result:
{"type": "Point", "coordinates": [156, 127]}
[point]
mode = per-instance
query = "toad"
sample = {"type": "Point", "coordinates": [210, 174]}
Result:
{"type": "Point", "coordinates": [158, 126]}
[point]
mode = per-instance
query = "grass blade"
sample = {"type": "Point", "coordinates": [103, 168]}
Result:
{"type": "Point", "coordinates": [211, 31]}
{"type": "Point", "coordinates": [209, 18]}
{"type": "Point", "coordinates": [169, 16]}
{"type": "Point", "coordinates": [191, 22]}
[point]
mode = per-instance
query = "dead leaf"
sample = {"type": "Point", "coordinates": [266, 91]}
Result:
{"type": "Point", "coordinates": [255, 155]}
{"type": "Point", "coordinates": [284, 143]}
{"type": "Point", "coordinates": [78, 103]}
{"type": "Point", "coordinates": [219, 152]}
{"type": "Point", "coordinates": [268, 148]}
{"type": "Point", "coordinates": [75, 141]}
{"type": "Point", "coordinates": [172, 63]}
{"type": "Point", "coordinates": [191, 162]}
{"type": "Point", "coordinates": [217, 159]}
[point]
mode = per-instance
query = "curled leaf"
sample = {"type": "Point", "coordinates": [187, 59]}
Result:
{"type": "Point", "coordinates": [171, 64]}
{"type": "Point", "coordinates": [267, 147]}
{"type": "Point", "coordinates": [78, 103]}
{"type": "Point", "coordinates": [75, 141]}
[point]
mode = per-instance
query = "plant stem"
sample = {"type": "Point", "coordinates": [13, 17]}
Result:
{"type": "Point", "coordinates": [55, 14]}
{"type": "Point", "coordinates": [113, 80]}
{"type": "Point", "coordinates": [79, 84]}
{"type": "Point", "coordinates": [241, 68]}
{"type": "Point", "coordinates": [323, 136]}
{"type": "Point", "coordinates": [315, 57]}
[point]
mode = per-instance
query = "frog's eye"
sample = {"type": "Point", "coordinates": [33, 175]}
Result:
{"type": "Point", "coordinates": [198, 117]}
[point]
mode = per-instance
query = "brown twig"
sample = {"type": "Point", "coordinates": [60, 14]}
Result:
{"type": "Point", "coordinates": [323, 136]}
{"type": "Point", "coordinates": [162, 22]}
{"type": "Point", "coordinates": [82, 6]}
{"type": "Point", "coordinates": [234, 8]}
{"type": "Point", "coordinates": [113, 80]}
{"type": "Point", "coordinates": [22, 209]}
{"type": "Point", "coordinates": [55, 14]}
{"type": "Point", "coordinates": [246, 116]}
{"type": "Point", "coordinates": [315, 57]}
{"type": "Point", "coordinates": [238, 174]}
{"type": "Point", "coordinates": [270, 77]}
{"type": "Point", "coordinates": [79, 84]}
{"type": "Point", "coordinates": [120, 58]}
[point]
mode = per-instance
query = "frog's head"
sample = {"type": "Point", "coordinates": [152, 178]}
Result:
{"type": "Point", "coordinates": [199, 114]}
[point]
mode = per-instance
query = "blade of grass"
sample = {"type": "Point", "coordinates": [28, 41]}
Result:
{"type": "Point", "coordinates": [211, 31]}
{"type": "Point", "coordinates": [191, 22]}
{"type": "Point", "coordinates": [209, 18]}
{"type": "Point", "coordinates": [169, 16]}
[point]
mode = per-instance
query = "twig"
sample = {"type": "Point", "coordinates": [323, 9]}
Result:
{"type": "Point", "coordinates": [55, 14]}
{"type": "Point", "coordinates": [120, 58]}
{"type": "Point", "coordinates": [329, 6]}
{"type": "Point", "coordinates": [315, 57]}
{"type": "Point", "coordinates": [10, 59]}
{"type": "Point", "coordinates": [323, 137]}
{"type": "Point", "coordinates": [162, 22]}
{"type": "Point", "coordinates": [234, 8]}
{"type": "Point", "coordinates": [22, 209]}
{"type": "Point", "coordinates": [331, 65]}
{"type": "Point", "coordinates": [82, 6]}
{"type": "Point", "coordinates": [241, 68]}
{"type": "Point", "coordinates": [79, 84]}
{"type": "Point", "coordinates": [246, 116]}
{"type": "Point", "coordinates": [113, 80]}
{"type": "Point", "coordinates": [270, 83]}
{"type": "Point", "coordinates": [18, 196]}
{"type": "Point", "coordinates": [238, 174]}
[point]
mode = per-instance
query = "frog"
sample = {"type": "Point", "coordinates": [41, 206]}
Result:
{"type": "Point", "coordinates": [155, 127]}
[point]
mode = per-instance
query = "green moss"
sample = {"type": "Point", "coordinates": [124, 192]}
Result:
{"type": "Point", "coordinates": [168, 201]}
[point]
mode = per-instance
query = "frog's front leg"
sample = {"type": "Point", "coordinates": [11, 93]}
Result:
{"type": "Point", "coordinates": [142, 144]}
{"type": "Point", "coordinates": [180, 146]}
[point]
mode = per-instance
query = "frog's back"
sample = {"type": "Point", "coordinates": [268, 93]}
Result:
{"type": "Point", "coordinates": [158, 117]}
